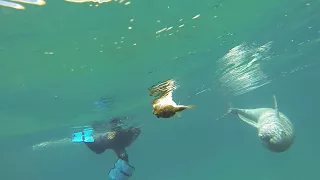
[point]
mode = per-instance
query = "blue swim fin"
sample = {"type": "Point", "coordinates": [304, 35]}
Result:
{"type": "Point", "coordinates": [121, 171]}
{"type": "Point", "coordinates": [88, 137]}
{"type": "Point", "coordinates": [84, 136]}
{"type": "Point", "coordinates": [116, 174]}
{"type": "Point", "coordinates": [87, 132]}
{"type": "Point", "coordinates": [77, 137]}
{"type": "Point", "coordinates": [124, 167]}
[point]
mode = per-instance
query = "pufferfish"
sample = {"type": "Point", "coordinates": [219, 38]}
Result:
{"type": "Point", "coordinates": [163, 104]}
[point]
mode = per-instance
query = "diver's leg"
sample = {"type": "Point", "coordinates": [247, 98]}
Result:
{"type": "Point", "coordinates": [100, 144]}
{"type": "Point", "coordinates": [96, 147]}
{"type": "Point", "coordinates": [122, 154]}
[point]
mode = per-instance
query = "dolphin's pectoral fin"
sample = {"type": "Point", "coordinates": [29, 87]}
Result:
{"type": "Point", "coordinates": [248, 120]}
{"type": "Point", "coordinates": [276, 105]}
{"type": "Point", "coordinates": [250, 116]}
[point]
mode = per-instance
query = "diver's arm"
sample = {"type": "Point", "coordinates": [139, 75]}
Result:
{"type": "Point", "coordinates": [122, 154]}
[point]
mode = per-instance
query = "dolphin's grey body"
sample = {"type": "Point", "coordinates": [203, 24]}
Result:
{"type": "Point", "coordinates": [274, 129]}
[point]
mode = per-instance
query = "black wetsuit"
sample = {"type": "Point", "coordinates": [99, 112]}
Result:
{"type": "Point", "coordinates": [117, 140]}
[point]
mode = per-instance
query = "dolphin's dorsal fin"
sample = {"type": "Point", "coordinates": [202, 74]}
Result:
{"type": "Point", "coordinates": [276, 105]}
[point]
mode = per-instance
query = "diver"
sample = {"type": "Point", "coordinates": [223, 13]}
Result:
{"type": "Point", "coordinates": [116, 139]}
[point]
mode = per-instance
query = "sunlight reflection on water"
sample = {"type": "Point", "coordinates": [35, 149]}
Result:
{"type": "Point", "coordinates": [240, 71]}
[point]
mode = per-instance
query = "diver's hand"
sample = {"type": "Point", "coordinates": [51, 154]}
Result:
{"type": "Point", "coordinates": [121, 171]}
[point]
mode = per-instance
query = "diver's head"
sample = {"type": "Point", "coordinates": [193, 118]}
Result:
{"type": "Point", "coordinates": [275, 138]}
{"type": "Point", "coordinates": [135, 132]}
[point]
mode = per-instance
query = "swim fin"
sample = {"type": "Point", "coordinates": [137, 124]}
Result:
{"type": "Point", "coordinates": [116, 174]}
{"type": "Point", "coordinates": [124, 167]}
{"type": "Point", "coordinates": [77, 137]}
{"type": "Point", "coordinates": [121, 171]}
{"type": "Point", "coordinates": [87, 134]}
{"type": "Point", "coordinates": [84, 136]}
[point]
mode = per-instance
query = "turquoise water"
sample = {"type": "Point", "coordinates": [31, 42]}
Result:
{"type": "Point", "coordinates": [57, 59]}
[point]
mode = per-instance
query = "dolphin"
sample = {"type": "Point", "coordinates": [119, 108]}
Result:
{"type": "Point", "coordinates": [274, 128]}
